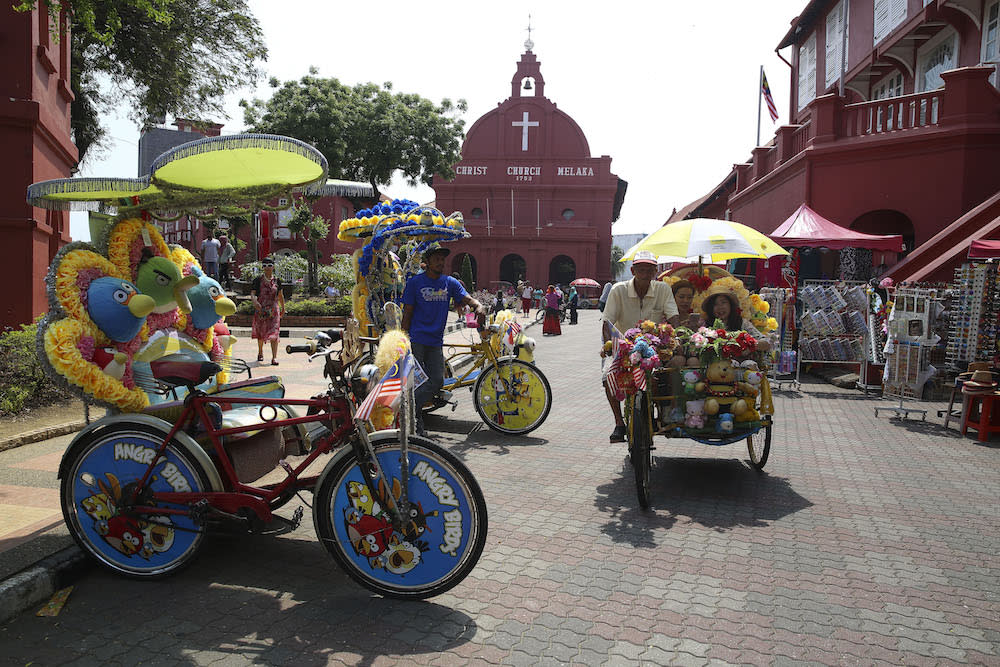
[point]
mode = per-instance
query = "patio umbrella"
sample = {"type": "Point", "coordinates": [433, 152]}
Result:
{"type": "Point", "coordinates": [585, 282]}
{"type": "Point", "coordinates": [707, 240]}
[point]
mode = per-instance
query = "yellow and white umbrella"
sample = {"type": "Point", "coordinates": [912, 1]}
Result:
{"type": "Point", "coordinates": [704, 239]}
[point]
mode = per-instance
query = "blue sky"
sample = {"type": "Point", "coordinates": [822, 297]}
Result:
{"type": "Point", "coordinates": [667, 89]}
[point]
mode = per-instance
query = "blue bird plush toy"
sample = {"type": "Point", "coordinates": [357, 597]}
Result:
{"type": "Point", "coordinates": [117, 308]}
{"type": "Point", "coordinates": [209, 302]}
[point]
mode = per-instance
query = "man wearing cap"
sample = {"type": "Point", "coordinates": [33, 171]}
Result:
{"type": "Point", "coordinates": [629, 303]}
{"type": "Point", "coordinates": [425, 312]}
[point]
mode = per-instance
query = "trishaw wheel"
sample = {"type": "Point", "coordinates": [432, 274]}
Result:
{"type": "Point", "coordinates": [431, 553]}
{"type": "Point", "coordinates": [513, 397]}
{"type": "Point", "coordinates": [97, 472]}
{"type": "Point", "coordinates": [759, 446]}
{"type": "Point", "coordinates": [640, 446]}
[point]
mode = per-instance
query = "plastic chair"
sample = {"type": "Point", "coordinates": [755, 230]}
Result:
{"type": "Point", "coordinates": [982, 422]}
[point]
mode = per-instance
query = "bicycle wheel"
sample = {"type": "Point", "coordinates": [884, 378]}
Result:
{"type": "Point", "coordinates": [640, 446]}
{"type": "Point", "coordinates": [513, 397]}
{"type": "Point", "coordinates": [759, 445]}
{"type": "Point", "coordinates": [97, 471]}
{"type": "Point", "coordinates": [540, 315]}
{"type": "Point", "coordinates": [434, 551]}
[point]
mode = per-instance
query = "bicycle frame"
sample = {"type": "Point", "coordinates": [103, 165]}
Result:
{"type": "Point", "coordinates": [482, 353]}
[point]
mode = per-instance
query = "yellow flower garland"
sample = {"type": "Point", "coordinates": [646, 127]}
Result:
{"type": "Point", "coordinates": [121, 239]}
{"type": "Point", "coordinates": [61, 340]}
{"type": "Point", "coordinates": [66, 287]}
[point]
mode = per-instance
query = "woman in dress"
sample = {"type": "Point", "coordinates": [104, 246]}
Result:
{"type": "Point", "coordinates": [574, 303]}
{"type": "Point", "coordinates": [268, 309]}
{"type": "Point", "coordinates": [551, 325]}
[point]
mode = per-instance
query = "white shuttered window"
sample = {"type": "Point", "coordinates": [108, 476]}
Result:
{"type": "Point", "coordinates": [888, 15]}
{"type": "Point", "coordinates": [807, 72]}
{"type": "Point", "coordinates": [836, 21]}
{"type": "Point", "coordinates": [991, 38]}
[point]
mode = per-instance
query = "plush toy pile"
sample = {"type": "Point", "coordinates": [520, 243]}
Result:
{"type": "Point", "coordinates": [708, 378]}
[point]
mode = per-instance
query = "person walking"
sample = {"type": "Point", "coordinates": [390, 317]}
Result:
{"type": "Point", "coordinates": [425, 312]}
{"type": "Point", "coordinates": [539, 297]}
{"type": "Point", "coordinates": [574, 303]}
{"type": "Point", "coordinates": [226, 254]}
{"type": "Point", "coordinates": [268, 309]}
{"type": "Point", "coordinates": [551, 325]}
{"type": "Point", "coordinates": [210, 255]}
{"type": "Point", "coordinates": [629, 303]}
{"type": "Point", "coordinates": [604, 296]}
{"type": "Point", "coordinates": [498, 305]}
{"type": "Point", "coordinates": [526, 299]}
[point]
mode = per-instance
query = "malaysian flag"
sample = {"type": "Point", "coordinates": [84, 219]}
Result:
{"type": "Point", "coordinates": [616, 338]}
{"type": "Point", "coordinates": [513, 329]}
{"type": "Point", "coordinates": [766, 91]}
{"type": "Point", "coordinates": [389, 389]}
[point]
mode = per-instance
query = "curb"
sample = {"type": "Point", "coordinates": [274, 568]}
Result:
{"type": "Point", "coordinates": [37, 583]}
{"type": "Point", "coordinates": [40, 434]}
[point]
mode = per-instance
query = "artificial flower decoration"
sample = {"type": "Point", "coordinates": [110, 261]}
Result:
{"type": "Point", "coordinates": [111, 315]}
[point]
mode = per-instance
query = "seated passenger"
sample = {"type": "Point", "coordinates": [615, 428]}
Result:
{"type": "Point", "coordinates": [725, 307]}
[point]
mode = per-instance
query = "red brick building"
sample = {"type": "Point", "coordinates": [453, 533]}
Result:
{"type": "Point", "coordinates": [535, 201]}
{"type": "Point", "coordinates": [909, 147]}
{"type": "Point", "coordinates": [35, 99]}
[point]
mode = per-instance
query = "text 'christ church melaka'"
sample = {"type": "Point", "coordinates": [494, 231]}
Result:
{"type": "Point", "coordinates": [538, 206]}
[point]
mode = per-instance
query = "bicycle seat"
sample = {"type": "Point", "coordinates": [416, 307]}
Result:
{"type": "Point", "coordinates": [183, 372]}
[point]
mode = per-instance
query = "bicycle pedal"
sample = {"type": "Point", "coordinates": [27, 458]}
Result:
{"type": "Point", "coordinates": [453, 404]}
{"type": "Point", "coordinates": [297, 517]}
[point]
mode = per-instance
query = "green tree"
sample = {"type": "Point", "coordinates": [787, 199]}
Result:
{"type": "Point", "coordinates": [312, 228]}
{"type": "Point", "coordinates": [366, 131]}
{"type": "Point", "coordinates": [616, 265]}
{"type": "Point", "coordinates": [467, 276]}
{"type": "Point", "coordinates": [154, 57]}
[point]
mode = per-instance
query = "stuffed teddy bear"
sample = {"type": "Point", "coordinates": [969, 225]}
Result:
{"type": "Point", "coordinates": [721, 377]}
{"type": "Point", "coordinates": [695, 414]}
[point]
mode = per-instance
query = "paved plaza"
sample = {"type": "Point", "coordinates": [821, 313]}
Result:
{"type": "Point", "coordinates": [867, 540]}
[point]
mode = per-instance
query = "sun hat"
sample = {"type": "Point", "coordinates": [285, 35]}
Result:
{"type": "Point", "coordinates": [644, 257]}
{"type": "Point", "coordinates": [982, 381]}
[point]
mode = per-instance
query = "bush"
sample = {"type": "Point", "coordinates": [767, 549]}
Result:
{"type": "Point", "coordinates": [310, 307]}
{"type": "Point", "coordinates": [23, 383]}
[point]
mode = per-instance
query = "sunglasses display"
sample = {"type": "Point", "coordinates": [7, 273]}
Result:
{"type": "Point", "coordinates": [975, 307]}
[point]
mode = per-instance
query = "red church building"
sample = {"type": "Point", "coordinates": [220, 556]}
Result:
{"type": "Point", "coordinates": [537, 204]}
{"type": "Point", "coordinates": [35, 99]}
{"type": "Point", "coordinates": [895, 129]}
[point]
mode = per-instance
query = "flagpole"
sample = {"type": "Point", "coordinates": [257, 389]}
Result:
{"type": "Point", "coordinates": [760, 88]}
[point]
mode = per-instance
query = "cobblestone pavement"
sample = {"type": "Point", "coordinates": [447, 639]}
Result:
{"type": "Point", "coordinates": [867, 541]}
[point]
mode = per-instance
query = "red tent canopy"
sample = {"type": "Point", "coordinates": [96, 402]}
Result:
{"type": "Point", "coordinates": [984, 249]}
{"type": "Point", "coordinates": [807, 228]}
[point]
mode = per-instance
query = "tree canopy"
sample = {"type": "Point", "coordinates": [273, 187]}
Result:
{"type": "Point", "coordinates": [365, 131]}
{"type": "Point", "coordinates": [155, 57]}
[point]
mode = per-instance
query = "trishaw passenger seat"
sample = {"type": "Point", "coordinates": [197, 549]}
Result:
{"type": "Point", "coordinates": [183, 372]}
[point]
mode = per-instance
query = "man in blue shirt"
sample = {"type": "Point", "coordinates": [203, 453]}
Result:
{"type": "Point", "coordinates": [426, 300]}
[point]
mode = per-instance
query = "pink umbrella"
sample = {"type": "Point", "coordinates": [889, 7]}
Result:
{"type": "Point", "coordinates": [585, 282]}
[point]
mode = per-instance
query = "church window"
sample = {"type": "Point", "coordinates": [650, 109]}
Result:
{"type": "Point", "coordinates": [807, 71]}
{"type": "Point", "coordinates": [477, 213]}
{"type": "Point", "coordinates": [991, 39]}
{"type": "Point", "coordinates": [836, 38]}
{"type": "Point", "coordinates": [568, 214]}
{"type": "Point", "coordinates": [888, 15]}
{"type": "Point", "coordinates": [939, 55]}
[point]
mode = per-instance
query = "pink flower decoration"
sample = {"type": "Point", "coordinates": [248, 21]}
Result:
{"type": "Point", "coordinates": [885, 283]}
{"type": "Point", "coordinates": [86, 347]}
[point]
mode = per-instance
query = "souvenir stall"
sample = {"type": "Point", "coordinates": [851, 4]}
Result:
{"type": "Point", "coordinates": [834, 324]}
{"type": "Point", "coordinates": [910, 337]}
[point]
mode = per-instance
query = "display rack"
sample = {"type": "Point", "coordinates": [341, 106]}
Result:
{"type": "Point", "coordinates": [785, 370]}
{"type": "Point", "coordinates": [974, 312]}
{"type": "Point", "coordinates": [834, 325]}
{"type": "Point", "coordinates": [910, 337]}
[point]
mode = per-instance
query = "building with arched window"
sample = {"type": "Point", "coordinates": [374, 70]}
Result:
{"type": "Point", "coordinates": [538, 205]}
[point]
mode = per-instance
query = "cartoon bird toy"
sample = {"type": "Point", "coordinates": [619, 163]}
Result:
{"type": "Point", "coordinates": [161, 279]}
{"type": "Point", "coordinates": [117, 308]}
{"type": "Point", "coordinates": [209, 302]}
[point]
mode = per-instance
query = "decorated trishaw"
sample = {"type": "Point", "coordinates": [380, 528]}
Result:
{"type": "Point", "coordinates": [137, 326]}
{"type": "Point", "coordinates": [706, 383]}
{"type": "Point", "coordinates": [510, 393]}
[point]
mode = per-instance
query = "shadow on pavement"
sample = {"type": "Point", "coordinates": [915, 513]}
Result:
{"type": "Point", "coordinates": [497, 443]}
{"type": "Point", "coordinates": [715, 493]}
{"type": "Point", "coordinates": [251, 599]}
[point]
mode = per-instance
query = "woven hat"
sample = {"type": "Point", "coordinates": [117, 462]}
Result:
{"type": "Point", "coordinates": [982, 381]}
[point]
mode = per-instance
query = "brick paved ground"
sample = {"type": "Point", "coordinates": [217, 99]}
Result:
{"type": "Point", "coordinates": [867, 541]}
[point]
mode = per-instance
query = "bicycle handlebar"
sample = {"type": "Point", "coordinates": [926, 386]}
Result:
{"type": "Point", "coordinates": [308, 348]}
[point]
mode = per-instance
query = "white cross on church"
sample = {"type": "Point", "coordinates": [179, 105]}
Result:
{"type": "Point", "coordinates": [524, 124]}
